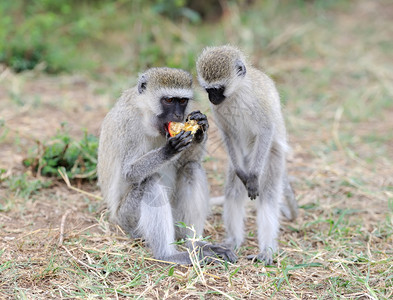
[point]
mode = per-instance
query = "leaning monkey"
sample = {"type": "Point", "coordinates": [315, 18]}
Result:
{"type": "Point", "coordinates": [149, 181]}
{"type": "Point", "coordinates": [246, 106]}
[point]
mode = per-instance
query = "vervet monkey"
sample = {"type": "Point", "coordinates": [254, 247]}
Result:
{"type": "Point", "coordinates": [151, 181]}
{"type": "Point", "coordinates": [246, 107]}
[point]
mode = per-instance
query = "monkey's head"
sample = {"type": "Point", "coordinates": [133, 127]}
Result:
{"type": "Point", "coordinates": [220, 71]}
{"type": "Point", "coordinates": [166, 92]}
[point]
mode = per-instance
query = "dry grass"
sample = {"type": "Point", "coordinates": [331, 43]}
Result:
{"type": "Point", "coordinates": [334, 73]}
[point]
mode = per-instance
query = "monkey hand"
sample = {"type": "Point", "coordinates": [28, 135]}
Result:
{"type": "Point", "coordinates": [242, 176]}
{"type": "Point", "coordinates": [252, 186]}
{"type": "Point", "coordinates": [178, 143]}
{"type": "Point", "coordinates": [202, 122]}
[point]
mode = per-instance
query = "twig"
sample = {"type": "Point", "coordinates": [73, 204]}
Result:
{"type": "Point", "coordinates": [5, 217]}
{"type": "Point", "coordinates": [161, 261]}
{"type": "Point", "coordinates": [79, 261]}
{"type": "Point", "coordinates": [63, 219]}
{"type": "Point", "coordinates": [67, 181]}
{"type": "Point", "coordinates": [220, 292]}
{"type": "Point", "coordinates": [145, 291]}
{"type": "Point", "coordinates": [211, 275]}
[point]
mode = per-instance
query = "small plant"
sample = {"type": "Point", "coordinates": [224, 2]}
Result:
{"type": "Point", "coordinates": [24, 187]}
{"type": "Point", "coordinates": [78, 158]}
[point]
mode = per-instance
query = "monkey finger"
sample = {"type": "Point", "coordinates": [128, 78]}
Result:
{"type": "Point", "coordinates": [186, 140]}
{"type": "Point", "coordinates": [186, 135]}
{"type": "Point", "coordinates": [198, 116]}
{"type": "Point", "coordinates": [190, 115]}
{"type": "Point", "coordinates": [202, 121]}
{"type": "Point", "coordinates": [204, 124]}
{"type": "Point", "coordinates": [183, 134]}
{"type": "Point", "coordinates": [183, 143]}
{"type": "Point", "coordinates": [253, 195]}
{"type": "Point", "coordinates": [183, 147]}
{"type": "Point", "coordinates": [195, 112]}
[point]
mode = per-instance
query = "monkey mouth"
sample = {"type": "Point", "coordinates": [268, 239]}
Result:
{"type": "Point", "coordinates": [216, 99]}
{"type": "Point", "coordinates": [216, 95]}
{"type": "Point", "coordinates": [166, 129]}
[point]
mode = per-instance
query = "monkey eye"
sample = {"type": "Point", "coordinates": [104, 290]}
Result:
{"type": "Point", "coordinates": [168, 100]}
{"type": "Point", "coordinates": [183, 100]}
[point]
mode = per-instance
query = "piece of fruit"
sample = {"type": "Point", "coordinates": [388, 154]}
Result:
{"type": "Point", "coordinates": [174, 128]}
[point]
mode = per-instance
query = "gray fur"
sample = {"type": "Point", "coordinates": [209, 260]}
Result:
{"type": "Point", "coordinates": [254, 134]}
{"type": "Point", "coordinates": [146, 191]}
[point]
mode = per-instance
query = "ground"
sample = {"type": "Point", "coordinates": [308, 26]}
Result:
{"type": "Point", "coordinates": [337, 105]}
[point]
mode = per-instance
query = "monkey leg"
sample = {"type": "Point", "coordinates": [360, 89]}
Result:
{"type": "Point", "coordinates": [128, 213]}
{"type": "Point", "coordinates": [156, 223]}
{"type": "Point", "coordinates": [191, 206]}
{"type": "Point", "coordinates": [191, 199]}
{"type": "Point", "coordinates": [268, 208]}
{"type": "Point", "coordinates": [289, 207]}
{"type": "Point", "coordinates": [235, 197]}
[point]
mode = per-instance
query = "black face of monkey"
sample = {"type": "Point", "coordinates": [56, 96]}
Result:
{"type": "Point", "coordinates": [216, 95]}
{"type": "Point", "coordinates": [172, 111]}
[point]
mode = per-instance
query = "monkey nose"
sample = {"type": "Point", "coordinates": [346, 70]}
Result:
{"type": "Point", "coordinates": [177, 117]}
{"type": "Point", "coordinates": [216, 95]}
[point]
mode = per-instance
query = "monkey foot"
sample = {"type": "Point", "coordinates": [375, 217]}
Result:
{"type": "Point", "coordinates": [264, 257]}
{"type": "Point", "coordinates": [221, 251]}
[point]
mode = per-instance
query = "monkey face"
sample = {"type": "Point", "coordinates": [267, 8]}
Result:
{"type": "Point", "coordinates": [173, 110]}
{"type": "Point", "coordinates": [216, 95]}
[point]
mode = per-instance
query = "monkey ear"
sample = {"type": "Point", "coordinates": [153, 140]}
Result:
{"type": "Point", "coordinates": [142, 83]}
{"type": "Point", "coordinates": [240, 68]}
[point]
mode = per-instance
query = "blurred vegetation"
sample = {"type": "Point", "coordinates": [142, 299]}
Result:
{"type": "Point", "coordinates": [23, 186]}
{"type": "Point", "coordinates": [51, 34]}
{"type": "Point", "coordinates": [78, 158]}
{"type": "Point", "coordinates": [58, 36]}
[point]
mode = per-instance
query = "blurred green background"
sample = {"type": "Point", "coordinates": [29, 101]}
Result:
{"type": "Point", "coordinates": [123, 35]}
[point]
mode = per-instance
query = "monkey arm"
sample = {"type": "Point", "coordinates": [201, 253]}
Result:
{"type": "Point", "coordinates": [233, 155]}
{"type": "Point", "coordinates": [136, 170]}
{"type": "Point", "coordinates": [263, 143]}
